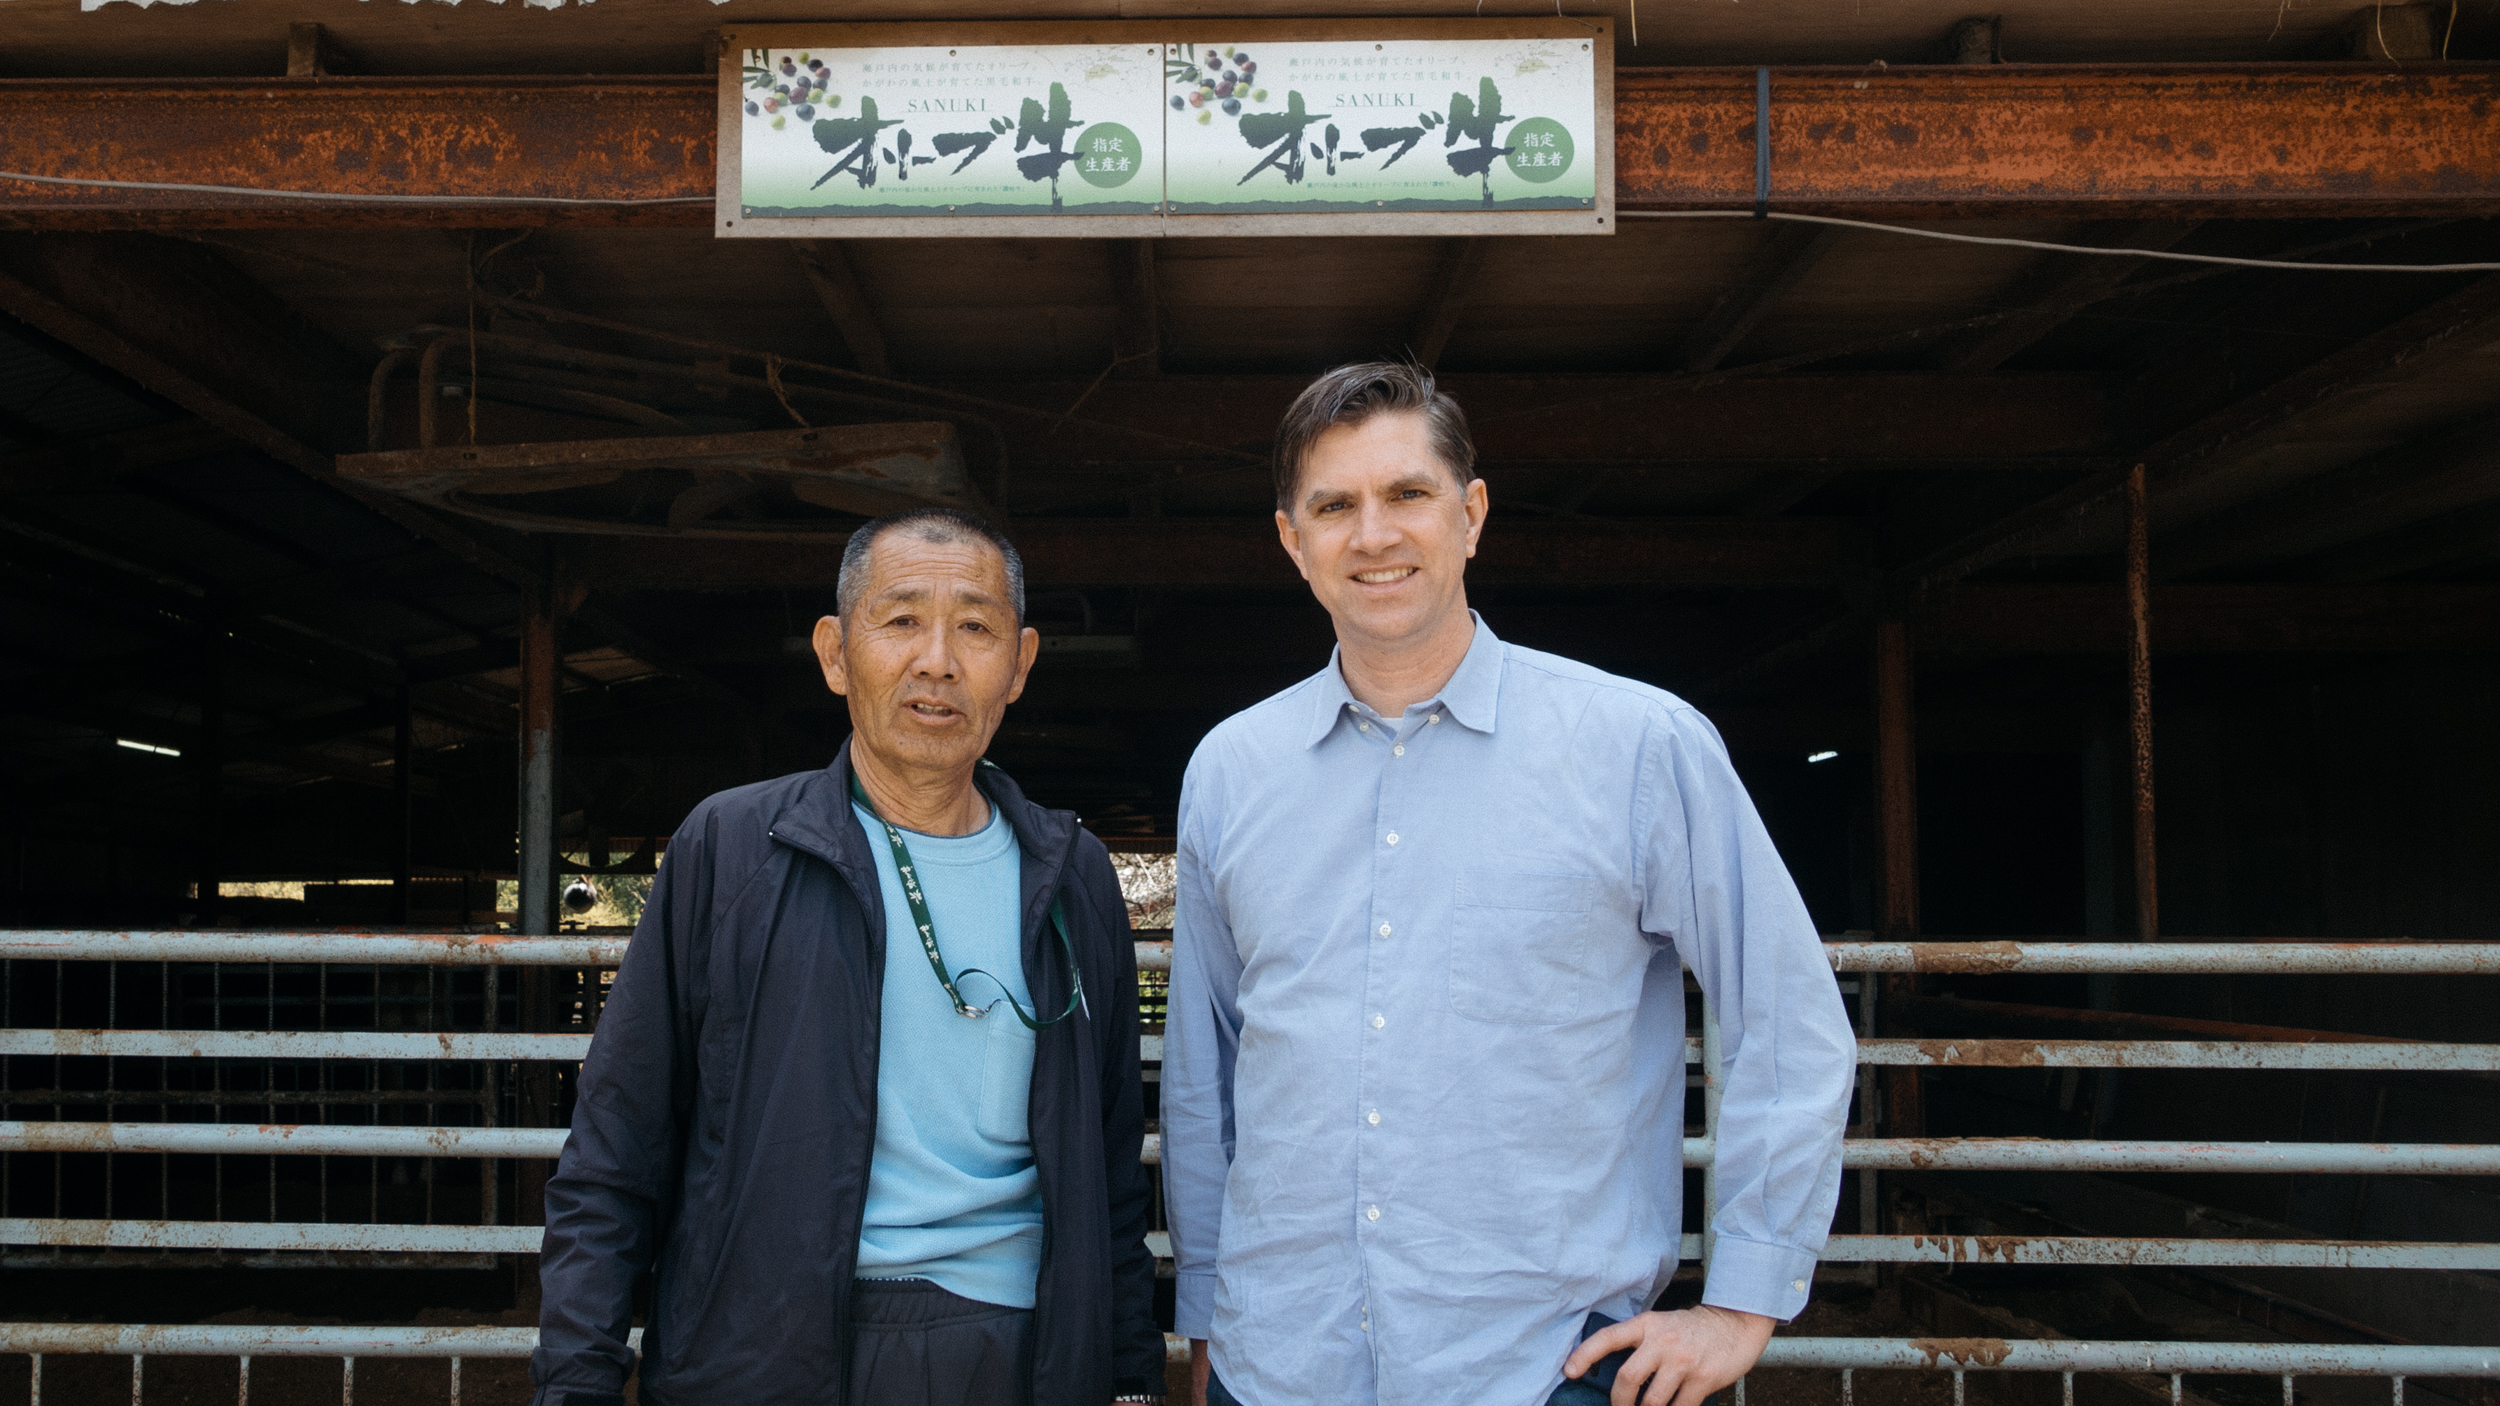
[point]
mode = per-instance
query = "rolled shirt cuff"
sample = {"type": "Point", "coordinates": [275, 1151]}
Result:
{"type": "Point", "coordinates": [1193, 1302]}
{"type": "Point", "coordinates": [1753, 1277]}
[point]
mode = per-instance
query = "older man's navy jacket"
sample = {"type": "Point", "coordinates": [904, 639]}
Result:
{"type": "Point", "coordinates": [727, 1113]}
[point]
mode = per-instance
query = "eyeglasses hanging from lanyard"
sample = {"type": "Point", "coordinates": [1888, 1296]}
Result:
{"type": "Point", "coordinates": [927, 926]}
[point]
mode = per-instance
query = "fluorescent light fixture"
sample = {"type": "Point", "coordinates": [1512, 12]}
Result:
{"type": "Point", "coordinates": [1821, 756]}
{"type": "Point", "coordinates": [138, 746]}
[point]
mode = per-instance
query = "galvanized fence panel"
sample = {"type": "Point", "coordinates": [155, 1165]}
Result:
{"type": "Point", "coordinates": [460, 987]}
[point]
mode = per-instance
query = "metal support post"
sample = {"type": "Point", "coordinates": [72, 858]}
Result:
{"type": "Point", "coordinates": [211, 769]}
{"type": "Point", "coordinates": [1896, 816]}
{"type": "Point", "coordinates": [2140, 700]}
{"type": "Point", "coordinates": [403, 812]}
{"type": "Point", "coordinates": [540, 657]}
{"type": "Point", "coordinates": [1713, 1085]}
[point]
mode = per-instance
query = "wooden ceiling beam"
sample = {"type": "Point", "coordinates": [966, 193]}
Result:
{"type": "Point", "coordinates": [828, 269]}
{"type": "Point", "coordinates": [1783, 263]}
{"type": "Point", "coordinates": [2105, 142]}
{"type": "Point", "coordinates": [1921, 419]}
{"type": "Point", "coordinates": [1184, 552]}
{"type": "Point", "coordinates": [2065, 285]}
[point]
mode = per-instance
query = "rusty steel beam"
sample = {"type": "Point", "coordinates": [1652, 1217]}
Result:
{"type": "Point", "coordinates": [2072, 618]}
{"type": "Point", "coordinates": [278, 1235]}
{"type": "Point", "coordinates": [2118, 141]}
{"type": "Point", "coordinates": [2108, 141]}
{"type": "Point", "coordinates": [440, 152]}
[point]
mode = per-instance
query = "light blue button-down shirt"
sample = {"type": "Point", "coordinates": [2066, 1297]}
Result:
{"type": "Point", "coordinates": [1423, 1082]}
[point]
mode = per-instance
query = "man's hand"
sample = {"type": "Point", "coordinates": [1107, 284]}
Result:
{"type": "Point", "coordinates": [1684, 1355]}
{"type": "Point", "coordinates": [1198, 1372]}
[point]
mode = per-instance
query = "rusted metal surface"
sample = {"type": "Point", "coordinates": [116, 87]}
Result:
{"type": "Point", "coordinates": [442, 139]}
{"type": "Point", "coordinates": [2084, 1355]}
{"type": "Point", "coordinates": [2207, 958]}
{"type": "Point", "coordinates": [292, 1044]}
{"type": "Point", "coordinates": [2004, 139]}
{"type": "Point", "coordinates": [810, 483]}
{"type": "Point", "coordinates": [264, 1139]}
{"type": "Point", "coordinates": [1896, 838]}
{"type": "Point", "coordinates": [263, 1235]}
{"type": "Point", "coordinates": [2095, 1249]}
{"type": "Point", "coordinates": [2131, 141]}
{"type": "Point", "coordinates": [2140, 704]}
{"type": "Point", "coordinates": [2092, 1155]}
{"type": "Point", "coordinates": [1928, 1010]}
{"type": "Point", "coordinates": [253, 1340]}
{"type": "Point", "coordinates": [2176, 1054]}
{"type": "Point", "coordinates": [454, 949]}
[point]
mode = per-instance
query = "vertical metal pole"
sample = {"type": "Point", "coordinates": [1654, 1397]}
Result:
{"type": "Point", "coordinates": [2140, 700]}
{"type": "Point", "coordinates": [403, 809]}
{"type": "Point", "coordinates": [1713, 1082]}
{"type": "Point", "coordinates": [243, 1383]}
{"type": "Point", "coordinates": [1896, 815]}
{"type": "Point", "coordinates": [211, 769]}
{"type": "Point", "coordinates": [539, 655]}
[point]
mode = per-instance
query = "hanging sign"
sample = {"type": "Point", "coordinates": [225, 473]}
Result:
{"type": "Point", "coordinates": [1168, 128]}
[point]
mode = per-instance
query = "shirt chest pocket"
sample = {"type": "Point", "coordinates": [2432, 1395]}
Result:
{"type": "Point", "coordinates": [1519, 947]}
{"type": "Point", "coordinates": [1004, 1111]}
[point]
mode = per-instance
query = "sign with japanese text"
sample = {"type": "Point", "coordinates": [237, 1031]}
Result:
{"type": "Point", "coordinates": [1129, 128]}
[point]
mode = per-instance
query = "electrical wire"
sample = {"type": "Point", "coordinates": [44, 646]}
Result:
{"type": "Point", "coordinates": [358, 198]}
{"type": "Point", "coordinates": [2166, 254]}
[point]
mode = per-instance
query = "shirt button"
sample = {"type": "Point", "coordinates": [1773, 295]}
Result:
{"type": "Point", "coordinates": [1363, 727]}
{"type": "Point", "coordinates": [1436, 717]}
{"type": "Point", "coordinates": [1378, 1021]}
{"type": "Point", "coordinates": [1371, 1212]}
{"type": "Point", "coordinates": [1797, 1284]}
{"type": "Point", "coordinates": [1398, 751]}
{"type": "Point", "coordinates": [1375, 1118]}
{"type": "Point", "coordinates": [1384, 929]}
{"type": "Point", "coordinates": [1393, 837]}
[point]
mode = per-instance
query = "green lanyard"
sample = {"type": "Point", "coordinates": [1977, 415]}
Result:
{"type": "Point", "coordinates": [928, 934]}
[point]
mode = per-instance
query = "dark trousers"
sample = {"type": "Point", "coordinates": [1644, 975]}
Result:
{"type": "Point", "coordinates": [915, 1344]}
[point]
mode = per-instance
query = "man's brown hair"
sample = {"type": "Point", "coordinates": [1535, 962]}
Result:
{"type": "Point", "coordinates": [1354, 393]}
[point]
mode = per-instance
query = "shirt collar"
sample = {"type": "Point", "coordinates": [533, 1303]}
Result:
{"type": "Point", "coordinates": [1469, 697]}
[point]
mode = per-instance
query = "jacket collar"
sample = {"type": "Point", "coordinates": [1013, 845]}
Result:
{"type": "Point", "coordinates": [819, 821]}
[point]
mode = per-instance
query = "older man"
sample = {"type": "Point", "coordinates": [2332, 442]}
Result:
{"type": "Point", "coordinates": [864, 1102]}
{"type": "Point", "coordinates": [1423, 1099]}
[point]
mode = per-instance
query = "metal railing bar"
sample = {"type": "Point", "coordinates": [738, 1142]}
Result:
{"type": "Point", "coordinates": [2179, 1054]}
{"type": "Point", "coordinates": [263, 1139]}
{"type": "Point", "coordinates": [459, 949]}
{"type": "Point", "coordinates": [2084, 1355]}
{"type": "Point", "coordinates": [2051, 1249]}
{"type": "Point", "coordinates": [2397, 1057]}
{"type": "Point", "coordinates": [2149, 958]}
{"type": "Point", "coordinates": [1848, 1354]}
{"type": "Point", "coordinates": [1884, 1154]}
{"type": "Point", "coordinates": [283, 1235]}
{"type": "Point", "coordinates": [493, 950]}
{"type": "Point", "coordinates": [292, 1044]}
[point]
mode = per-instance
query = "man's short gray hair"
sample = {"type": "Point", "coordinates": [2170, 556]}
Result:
{"type": "Point", "coordinates": [926, 525]}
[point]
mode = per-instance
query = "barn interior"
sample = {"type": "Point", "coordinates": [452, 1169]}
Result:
{"type": "Point", "coordinates": [1890, 505]}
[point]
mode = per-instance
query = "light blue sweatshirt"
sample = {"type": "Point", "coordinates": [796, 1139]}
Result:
{"type": "Point", "coordinates": [952, 1192]}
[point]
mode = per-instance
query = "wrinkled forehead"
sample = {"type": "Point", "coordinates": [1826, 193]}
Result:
{"type": "Point", "coordinates": [904, 567]}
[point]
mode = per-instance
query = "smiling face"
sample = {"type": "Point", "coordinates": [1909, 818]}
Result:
{"type": "Point", "coordinates": [929, 656]}
{"type": "Point", "coordinates": [1382, 530]}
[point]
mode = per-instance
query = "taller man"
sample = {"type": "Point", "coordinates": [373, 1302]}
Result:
{"type": "Point", "coordinates": [864, 1102]}
{"type": "Point", "coordinates": [1423, 1084]}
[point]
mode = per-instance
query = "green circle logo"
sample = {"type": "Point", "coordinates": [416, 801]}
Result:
{"type": "Point", "coordinates": [1108, 154]}
{"type": "Point", "coordinates": [1540, 150]}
